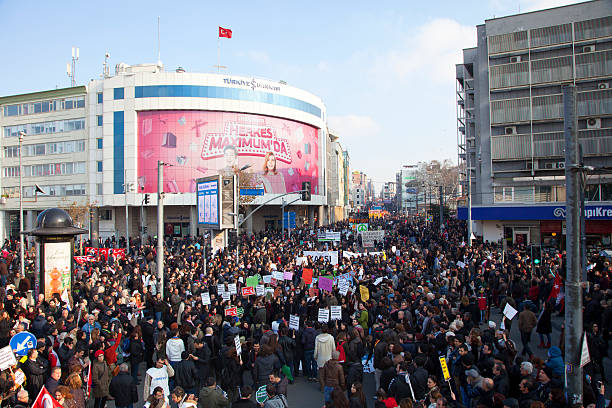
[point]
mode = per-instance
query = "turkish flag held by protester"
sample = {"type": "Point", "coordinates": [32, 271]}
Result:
{"type": "Point", "coordinates": [225, 32]}
{"type": "Point", "coordinates": [556, 289]}
{"type": "Point", "coordinates": [45, 400]}
{"type": "Point", "coordinates": [89, 382]}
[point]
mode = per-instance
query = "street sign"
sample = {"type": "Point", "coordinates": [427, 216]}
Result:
{"type": "Point", "coordinates": [289, 219]}
{"type": "Point", "coordinates": [22, 342]}
{"type": "Point", "coordinates": [251, 191]}
{"type": "Point", "coordinates": [362, 227]}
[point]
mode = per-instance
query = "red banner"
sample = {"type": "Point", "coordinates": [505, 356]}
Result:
{"type": "Point", "coordinates": [231, 311]}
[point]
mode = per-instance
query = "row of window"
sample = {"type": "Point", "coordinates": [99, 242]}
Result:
{"type": "Point", "coordinates": [47, 169]}
{"type": "Point", "coordinates": [58, 190]}
{"type": "Point", "coordinates": [545, 194]}
{"type": "Point", "coordinates": [42, 149]}
{"type": "Point", "coordinates": [41, 128]}
{"type": "Point", "coordinates": [31, 108]}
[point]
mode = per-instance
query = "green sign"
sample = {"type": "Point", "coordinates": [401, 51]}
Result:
{"type": "Point", "coordinates": [240, 312]}
{"type": "Point", "coordinates": [261, 395]}
{"type": "Point", "coordinates": [362, 227]}
{"type": "Point", "coordinates": [252, 281]}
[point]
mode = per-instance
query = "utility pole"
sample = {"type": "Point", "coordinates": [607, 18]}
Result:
{"type": "Point", "coordinates": [126, 190]}
{"type": "Point", "coordinates": [468, 172]}
{"type": "Point", "coordinates": [283, 218]}
{"type": "Point", "coordinates": [573, 290]}
{"type": "Point", "coordinates": [441, 207]}
{"type": "Point", "coordinates": [21, 240]}
{"type": "Point", "coordinates": [160, 226]}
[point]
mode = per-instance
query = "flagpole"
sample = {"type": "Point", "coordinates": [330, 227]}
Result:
{"type": "Point", "coordinates": [218, 54]}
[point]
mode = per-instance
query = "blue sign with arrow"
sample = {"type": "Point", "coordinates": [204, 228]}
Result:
{"type": "Point", "coordinates": [22, 342]}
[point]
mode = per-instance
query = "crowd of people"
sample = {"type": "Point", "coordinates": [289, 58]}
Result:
{"type": "Point", "coordinates": [195, 340]}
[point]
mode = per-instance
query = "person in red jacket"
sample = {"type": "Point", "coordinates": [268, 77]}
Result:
{"type": "Point", "coordinates": [110, 353]}
{"type": "Point", "coordinates": [340, 347]}
{"type": "Point", "coordinates": [482, 305]}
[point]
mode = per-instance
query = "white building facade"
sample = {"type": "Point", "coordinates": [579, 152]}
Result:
{"type": "Point", "coordinates": [198, 124]}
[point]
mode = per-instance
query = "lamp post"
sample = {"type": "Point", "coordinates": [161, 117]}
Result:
{"type": "Point", "coordinates": [127, 187]}
{"type": "Point", "coordinates": [21, 243]}
{"type": "Point", "coordinates": [237, 208]}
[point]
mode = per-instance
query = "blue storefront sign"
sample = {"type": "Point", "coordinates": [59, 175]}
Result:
{"type": "Point", "coordinates": [540, 212]}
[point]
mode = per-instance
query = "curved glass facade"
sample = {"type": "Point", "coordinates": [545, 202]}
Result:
{"type": "Point", "coordinates": [196, 91]}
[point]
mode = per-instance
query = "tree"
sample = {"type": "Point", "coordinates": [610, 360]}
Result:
{"type": "Point", "coordinates": [80, 215]}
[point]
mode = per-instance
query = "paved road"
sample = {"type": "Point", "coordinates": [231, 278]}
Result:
{"type": "Point", "coordinates": [307, 394]}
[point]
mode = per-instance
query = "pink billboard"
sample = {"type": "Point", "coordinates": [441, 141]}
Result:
{"type": "Point", "coordinates": [281, 153]}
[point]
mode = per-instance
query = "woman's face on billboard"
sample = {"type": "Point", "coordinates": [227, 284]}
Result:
{"type": "Point", "coordinates": [271, 163]}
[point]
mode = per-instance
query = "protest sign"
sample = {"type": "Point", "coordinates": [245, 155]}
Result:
{"type": "Point", "coordinates": [294, 322]}
{"type": "Point", "coordinates": [323, 315]}
{"type": "Point", "coordinates": [336, 312]}
{"type": "Point", "coordinates": [205, 298]}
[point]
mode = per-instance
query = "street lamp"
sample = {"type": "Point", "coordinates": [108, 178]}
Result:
{"type": "Point", "coordinates": [236, 213]}
{"type": "Point", "coordinates": [21, 249]}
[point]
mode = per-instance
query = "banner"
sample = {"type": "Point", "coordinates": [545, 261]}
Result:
{"type": "Point", "coordinates": [248, 291]}
{"type": "Point", "coordinates": [326, 284]}
{"type": "Point", "coordinates": [307, 276]}
{"type": "Point", "coordinates": [328, 256]}
{"type": "Point", "coordinates": [364, 292]}
{"type": "Point", "coordinates": [368, 237]}
{"type": "Point", "coordinates": [231, 311]}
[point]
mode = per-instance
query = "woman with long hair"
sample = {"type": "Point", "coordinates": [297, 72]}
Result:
{"type": "Point", "coordinates": [357, 397]}
{"type": "Point", "coordinates": [75, 385]}
{"type": "Point", "coordinates": [544, 327]}
{"type": "Point", "coordinates": [64, 397]}
{"type": "Point", "coordinates": [273, 181]}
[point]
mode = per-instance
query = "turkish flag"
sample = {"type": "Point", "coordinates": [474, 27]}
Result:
{"type": "Point", "coordinates": [556, 289]}
{"type": "Point", "coordinates": [45, 400]}
{"type": "Point", "coordinates": [225, 32]}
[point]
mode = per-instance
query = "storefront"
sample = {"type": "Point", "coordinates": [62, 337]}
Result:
{"type": "Point", "coordinates": [539, 225]}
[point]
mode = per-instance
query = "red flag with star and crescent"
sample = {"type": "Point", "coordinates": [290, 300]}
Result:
{"type": "Point", "coordinates": [225, 32]}
{"type": "Point", "coordinates": [45, 400]}
{"type": "Point", "coordinates": [556, 289]}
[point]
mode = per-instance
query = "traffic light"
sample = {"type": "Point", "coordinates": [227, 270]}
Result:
{"type": "Point", "coordinates": [306, 191]}
{"type": "Point", "coordinates": [146, 199]}
{"type": "Point", "coordinates": [536, 254]}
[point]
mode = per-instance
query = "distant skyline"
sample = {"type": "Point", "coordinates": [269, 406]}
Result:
{"type": "Point", "coordinates": [385, 72]}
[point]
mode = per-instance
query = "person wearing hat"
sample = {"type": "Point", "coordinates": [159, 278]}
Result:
{"type": "Point", "coordinates": [101, 378]}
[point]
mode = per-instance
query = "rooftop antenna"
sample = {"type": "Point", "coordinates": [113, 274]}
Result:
{"type": "Point", "coordinates": [71, 70]}
{"type": "Point", "coordinates": [105, 70]}
{"type": "Point", "coordinates": [158, 44]}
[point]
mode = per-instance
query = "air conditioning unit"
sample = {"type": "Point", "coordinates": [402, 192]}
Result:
{"type": "Point", "coordinates": [588, 48]}
{"type": "Point", "coordinates": [549, 165]}
{"type": "Point", "coordinates": [593, 123]}
{"type": "Point", "coordinates": [518, 58]}
{"type": "Point", "coordinates": [561, 165]}
{"type": "Point", "coordinates": [510, 130]}
{"type": "Point", "coordinates": [603, 85]}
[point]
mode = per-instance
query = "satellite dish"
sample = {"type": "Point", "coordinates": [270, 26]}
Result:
{"type": "Point", "coordinates": [37, 189]}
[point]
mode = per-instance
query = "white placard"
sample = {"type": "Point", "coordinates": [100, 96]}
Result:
{"type": "Point", "coordinates": [205, 298]}
{"type": "Point", "coordinates": [368, 237]}
{"type": "Point", "coordinates": [329, 256]}
{"type": "Point", "coordinates": [377, 281]}
{"type": "Point", "coordinates": [300, 260]}
{"type": "Point", "coordinates": [279, 276]}
{"type": "Point", "coordinates": [220, 288]}
{"type": "Point", "coordinates": [225, 296]}
{"type": "Point", "coordinates": [238, 345]}
{"type": "Point", "coordinates": [460, 264]}
{"type": "Point", "coordinates": [323, 315]}
{"type": "Point", "coordinates": [260, 290]}
{"type": "Point", "coordinates": [232, 289]}
{"type": "Point", "coordinates": [267, 278]}
{"type": "Point", "coordinates": [585, 358]}
{"type": "Point", "coordinates": [294, 322]}
{"type": "Point", "coordinates": [7, 358]}
{"type": "Point", "coordinates": [509, 311]}
{"type": "Point", "coordinates": [343, 286]}
{"type": "Point", "coordinates": [336, 312]}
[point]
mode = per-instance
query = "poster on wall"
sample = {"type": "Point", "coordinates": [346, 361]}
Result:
{"type": "Point", "coordinates": [57, 268]}
{"type": "Point", "coordinates": [281, 153]}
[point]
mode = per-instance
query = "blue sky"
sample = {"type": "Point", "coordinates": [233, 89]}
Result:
{"type": "Point", "coordinates": [384, 69]}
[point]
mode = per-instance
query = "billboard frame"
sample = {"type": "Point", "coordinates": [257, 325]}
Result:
{"type": "Point", "coordinates": [199, 181]}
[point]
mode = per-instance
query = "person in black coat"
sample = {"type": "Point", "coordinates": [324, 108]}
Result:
{"type": "Point", "coordinates": [202, 358]}
{"type": "Point", "coordinates": [186, 374]}
{"type": "Point", "coordinates": [123, 388]}
{"type": "Point", "coordinates": [35, 371]}
{"type": "Point", "coordinates": [136, 350]}
{"type": "Point", "coordinates": [147, 337]}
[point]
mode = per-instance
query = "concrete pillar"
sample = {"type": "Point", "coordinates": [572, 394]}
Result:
{"type": "Point", "coordinates": [322, 220]}
{"type": "Point", "coordinates": [29, 224]}
{"type": "Point", "coordinates": [193, 220]}
{"type": "Point", "coordinates": [311, 216]}
{"type": "Point", "coordinates": [248, 225]}
{"type": "Point", "coordinates": [3, 224]}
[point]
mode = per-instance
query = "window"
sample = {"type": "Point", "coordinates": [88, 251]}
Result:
{"type": "Point", "coordinates": [41, 128]}
{"type": "Point", "coordinates": [12, 171]}
{"type": "Point", "coordinates": [118, 93]}
{"type": "Point", "coordinates": [99, 118]}
{"type": "Point", "coordinates": [99, 188]}
{"type": "Point", "coordinates": [100, 143]}
{"type": "Point", "coordinates": [12, 110]}
{"type": "Point", "coordinates": [100, 166]}
{"type": "Point", "coordinates": [106, 215]}
{"type": "Point", "coordinates": [100, 95]}
{"type": "Point", "coordinates": [11, 151]}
